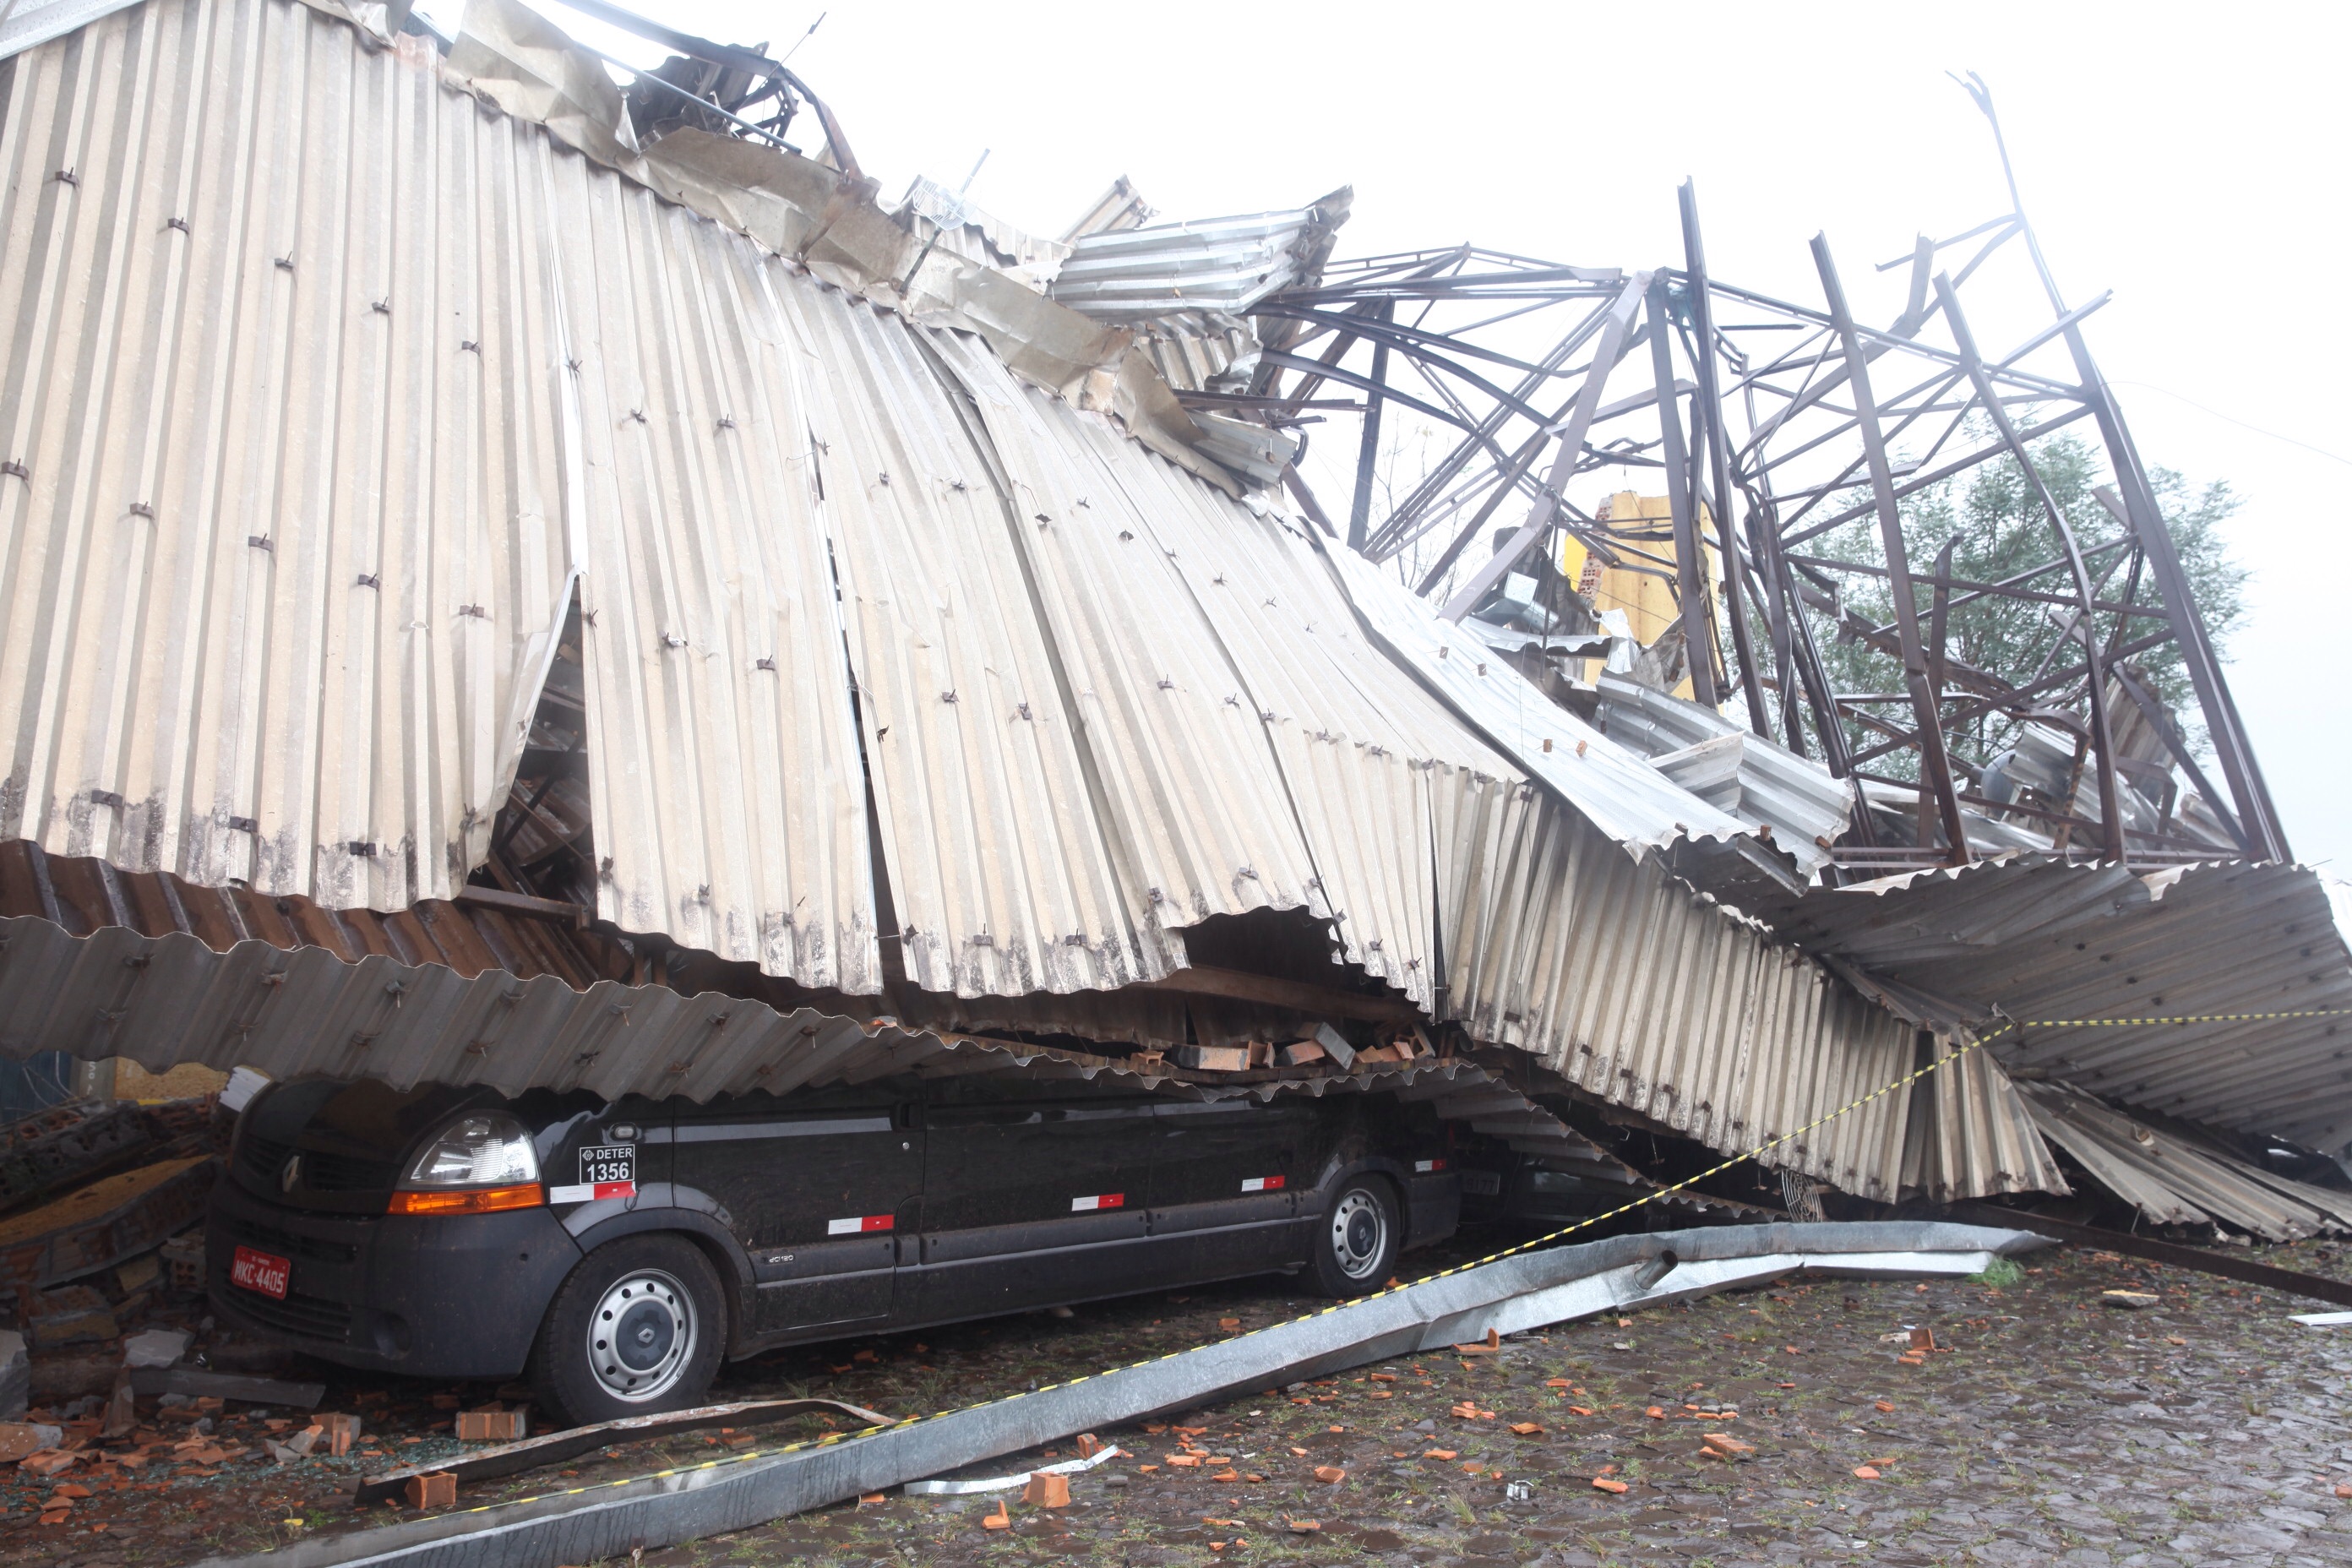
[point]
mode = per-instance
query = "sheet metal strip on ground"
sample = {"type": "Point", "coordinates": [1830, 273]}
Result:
{"type": "Point", "coordinates": [657, 1511]}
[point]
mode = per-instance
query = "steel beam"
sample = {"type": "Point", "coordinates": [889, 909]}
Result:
{"type": "Point", "coordinates": [2103, 740]}
{"type": "Point", "coordinates": [1935, 762]}
{"type": "Point", "coordinates": [1615, 330]}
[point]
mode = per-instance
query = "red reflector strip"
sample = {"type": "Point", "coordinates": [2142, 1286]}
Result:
{"type": "Point", "coordinates": [1423, 1167]}
{"type": "Point", "coordinates": [1099, 1201]}
{"type": "Point", "coordinates": [1261, 1183]}
{"type": "Point", "coordinates": [860, 1224]}
{"type": "Point", "coordinates": [588, 1192]}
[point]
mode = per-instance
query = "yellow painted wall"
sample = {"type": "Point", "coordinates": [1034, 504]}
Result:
{"type": "Point", "coordinates": [1647, 598]}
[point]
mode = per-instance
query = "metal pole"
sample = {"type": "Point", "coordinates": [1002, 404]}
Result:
{"type": "Point", "coordinates": [1708, 405]}
{"type": "Point", "coordinates": [1934, 763]}
{"type": "Point", "coordinates": [1690, 554]}
{"type": "Point", "coordinates": [2103, 738]}
{"type": "Point", "coordinates": [1359, 515]}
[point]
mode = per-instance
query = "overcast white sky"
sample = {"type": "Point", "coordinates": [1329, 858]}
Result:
{"type": "Point", "coordinates": [2192, 160]}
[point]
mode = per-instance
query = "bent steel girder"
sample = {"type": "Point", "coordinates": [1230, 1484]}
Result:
{"type": "Point", "coordinates": [1777, 427]}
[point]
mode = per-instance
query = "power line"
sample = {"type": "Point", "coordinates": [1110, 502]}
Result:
{"type": "Point", "coordinates": [2240, 423]}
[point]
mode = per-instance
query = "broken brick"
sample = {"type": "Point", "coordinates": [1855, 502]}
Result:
{"type": "Point", "coordinates": [1000, 1519]}
{"type": "Point", "coordinates": [1047, 1492]}
{"type": "Point", "coordinates": [1329, 1475]}
{"type": "Point", "coordinates": [1865, 1472]}
{"type": "Point", "coordinates": [1088, 1444]}
{"type": "Point", "coordinates": [1525, 1429]}
{"type": "Point", "coordinates": [1602, 1483]}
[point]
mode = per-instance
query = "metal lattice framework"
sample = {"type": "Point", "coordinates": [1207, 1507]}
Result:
{"type": "Point", "coordinates": [1774, 426]}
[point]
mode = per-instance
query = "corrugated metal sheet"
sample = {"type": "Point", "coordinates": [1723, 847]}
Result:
{"type": "Point", "coordinates": [1971, 1133]}
{"type": "Point", "coordinates": [1225, 264]}
{"type": "Point", "coordinates": [2039, 939]}
{"type": "Point", "coordinates": [30, 22]}
{"type": "Point", "coordinates": [284, 548]}
{"type": "Point", "coordinates": [1639, 990]}
{"type": "Point", "coordinates": [1621, 793]}
{"type": "Point", "coordinates": [2175, 1181]}
{"type": "Point", "coordinates": [1004, 878]}
{"type": "Point", "coordinates": [722, 754]}
{"type": "Point", "coordinates": [1188, 787]}
{"type": "Point", "coordinates": [1800, 801]}
{"type": "Point", "coordinates": [162, 972]}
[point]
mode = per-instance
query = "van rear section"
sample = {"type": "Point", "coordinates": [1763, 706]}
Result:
{"type": "Point", "coordinates": [616, 1253]}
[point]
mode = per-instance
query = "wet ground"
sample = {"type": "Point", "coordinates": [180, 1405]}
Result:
{"type": "Point", "coordinates": [2045, 1427]}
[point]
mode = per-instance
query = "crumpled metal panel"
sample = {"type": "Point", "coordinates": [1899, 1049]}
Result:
{"type": "Point", "coordinates": [1188, 789]}
{"type": "Point", "coordinates": [1800, 801]}
{"type": "Point", "coordinates": [1353, 741]}
{"type": "Point", "coordinates": [1211, 264]}
{"type": "Point", "coordinates": [284, 531]}
{"type": "Point", "coordinates": [2175, 1181]}
{"type": "Point", "coordinates": [1618, 790]}
{"type": "Point", "coordinates": [2229, 946]}
{"type": "Point", "coordinates": [722, 757]}
{"type": "Point", "coordinates": [1637, 989]}
{"type": "Point", "coordinates": [1971, 1133]}
{"type": "Point", "coordinates": [1004, 878]}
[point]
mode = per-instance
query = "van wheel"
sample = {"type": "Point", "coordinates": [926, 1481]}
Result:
{"type": "Point", "coordinates": [637, 1328]}
{"type": "Point", "coordinates": [1356, 1245]}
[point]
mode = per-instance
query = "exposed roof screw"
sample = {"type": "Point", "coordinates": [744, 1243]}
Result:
{"type": "Point", "coordinates": [139, 961]}
{"type": "Point", "coordinates": [947, 696]}
{"type": "Point", "coordinates": [1219, 580]}
{"type": "Point", "coordinates": [468, 345]}
{"type": "Point", "coordinates": [140, 508]}
{"type": "Point", "coordinates": [1084, 503]}
{"type": "Point", "coordinates": [671, 639]}
{"type": "Point", "coordinates": [767, 664]}
{"type": "Point", "coordinates": [573, 366]}
{"type": "Point", "coordinates": [725, 423]}
{"type": "Point", "coordinates": [16, 469]}
{"type": "Point", "coordinates": [243, 825]}
{"type": "Point", "coordinates": [882, 478]}
{"type": "Point", "coordinates": [1234, 702]}
{"type": "Point", "coordinates": [68, 177]}
{"type": "Point", "coordinates": [1245, 871]}
{"type": "Point", "coordinates": [1166, 684]}
{"type": "Point", "coordinates": [1042, 521]}
{"type": "Point", "coordinates": [105, 797]}
{"type": "Point", "coordinates": [259, 541]}
{"type": "Point", "coordinates": [1024, 711]}
{"type": "Point", "coordinates": [382, 307]}
{"type": "Point", "coordinates": [1125, 535]}
{"type": "Point", "coordinates": [286, 264]}
{"type": "Point", "coordinates": [1075, 938]}
{"type": "Point", "coordinates": [363, 848]}
{"type": "Point", "coordinates": [474, 610]}
{"type": "Point", "coordinates": [179, 223]}
{"type": "Point", "coordinates": [958, 485]}
{"type": "Point", "coordinates": [274, 977]}
{"type": "Point", "coordinates": [1266, 717]}
{"type": "Point", "coordinates": [718, 1020]}
{"type": "Point", "coordinates": [368, 580]}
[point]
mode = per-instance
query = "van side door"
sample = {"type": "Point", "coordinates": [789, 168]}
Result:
{"type": "Point", "coordinates": [1030, 1197]}
{"type": "Point", "coordinates": [1224, 1188]}
{"type": "Point", "coordinates": [817, 1186]}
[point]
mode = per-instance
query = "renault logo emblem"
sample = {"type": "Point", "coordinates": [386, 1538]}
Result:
{"type": "Point", "coordinates": [290, 1173]}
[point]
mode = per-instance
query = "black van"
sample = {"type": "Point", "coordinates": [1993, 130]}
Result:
{"type": "Point", "coordinates": [617, 1251]}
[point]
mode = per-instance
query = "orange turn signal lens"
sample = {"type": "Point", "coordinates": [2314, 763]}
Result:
{"type": "Point", "coordinates": [476, 1200]}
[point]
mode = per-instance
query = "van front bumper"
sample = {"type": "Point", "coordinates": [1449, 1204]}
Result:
{"type": "Point", "coordinates": [457, 1296]}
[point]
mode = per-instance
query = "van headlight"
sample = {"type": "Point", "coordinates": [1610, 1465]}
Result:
{"type": "Point", "coordinates": [475, 1163]}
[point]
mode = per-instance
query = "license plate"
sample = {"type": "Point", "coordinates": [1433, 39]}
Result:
{"type": "Point", "coordinates": [607, 1171]}
{"type": "Point", "coordinates": [261, 1271]}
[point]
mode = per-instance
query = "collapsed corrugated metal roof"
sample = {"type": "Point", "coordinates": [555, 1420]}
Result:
{"type": "Point", "coordinates": [2206, 965]}
{"type": "Point", "coordinates": [1098, 700]}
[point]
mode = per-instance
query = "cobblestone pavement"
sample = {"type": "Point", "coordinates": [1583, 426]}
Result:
{"type": "Point", "coordinates": [2045, 1427]}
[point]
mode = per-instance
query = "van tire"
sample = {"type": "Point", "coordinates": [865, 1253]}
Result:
{"type": "Point", "coordinates": [1358, 1238]}
{"type": "Point", "coordinates": [663, 1294]}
